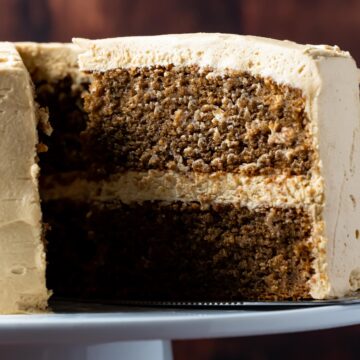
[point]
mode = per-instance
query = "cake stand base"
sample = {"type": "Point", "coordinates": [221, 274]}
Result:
{"type": "Point", "coordinates": [124, 350]}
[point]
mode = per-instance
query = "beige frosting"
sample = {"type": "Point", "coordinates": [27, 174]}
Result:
{"type": "Point", "coordinates": [328, 78]}
{"type": "Point", "coordinates": [22, 270]}
{"type": "Point", "coordinates": [168, 186]}
{"type": "Point", "coordinates": [49, 61]}
{"type": "Point", "coordinates": [336, 115]}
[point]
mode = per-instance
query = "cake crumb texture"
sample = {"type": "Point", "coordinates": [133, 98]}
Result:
{"type": "Point", "coordinates": [187, 118]}
{"type": "Point", "coordinates": [178, 251]}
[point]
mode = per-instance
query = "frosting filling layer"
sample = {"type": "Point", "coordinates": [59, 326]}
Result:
{"type": "Point", "coordinates": [218, 187]}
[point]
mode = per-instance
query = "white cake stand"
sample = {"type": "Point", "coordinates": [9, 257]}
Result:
{"type": "Point", "coordinates": [144, 333]}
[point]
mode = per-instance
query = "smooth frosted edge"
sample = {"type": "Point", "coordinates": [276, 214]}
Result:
{"type": "Point", "coordinates": [22, 271]}
{"type": "Point", "coordinates": [337, 109]}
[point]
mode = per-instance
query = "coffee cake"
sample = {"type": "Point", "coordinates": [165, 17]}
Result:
{"type": "Point", "coordinates": [198, 167]}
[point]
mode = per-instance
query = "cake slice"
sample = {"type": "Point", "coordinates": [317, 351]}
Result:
{"type": "Point", "coordinates": [221, 167]}
{"type": "Point", "coordinates": [22, 270]}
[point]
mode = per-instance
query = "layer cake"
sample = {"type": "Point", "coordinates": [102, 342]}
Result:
{"type": "Point", "coordinates": [199, 167]}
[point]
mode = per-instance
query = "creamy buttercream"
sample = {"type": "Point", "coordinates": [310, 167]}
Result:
{"type": "Point", "coordinates": [22, 271]}
{"type": "Point", "coordinates": [50, 61]}
{"type": "Point", "coordinates": [168, 186]}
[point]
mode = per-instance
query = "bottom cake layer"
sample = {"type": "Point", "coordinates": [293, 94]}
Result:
{"type": "Point", "coordinates": [177, 251]}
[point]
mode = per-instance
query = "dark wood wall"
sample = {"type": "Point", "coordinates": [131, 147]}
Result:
{"type": "Point", "coordinates": [305, 21]}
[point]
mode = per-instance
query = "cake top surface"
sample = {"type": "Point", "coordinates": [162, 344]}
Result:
{"type": "Point", "coordinates": [49, 61]}
{"type": "Point", "coordinates": [199, 40]}
{"type": "Point", "coordinates": [284, 61]}
{"type": "Point", "coordinates": [9, 57]}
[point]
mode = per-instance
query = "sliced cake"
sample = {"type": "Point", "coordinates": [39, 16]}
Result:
{"type": "Point", "coordinates": [199, 167]}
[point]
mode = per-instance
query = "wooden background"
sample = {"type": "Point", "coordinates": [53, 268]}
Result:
{"type": "Point", "coordinates": [306, 21]}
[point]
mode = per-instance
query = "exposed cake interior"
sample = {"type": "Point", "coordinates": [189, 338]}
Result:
{"type": "Point", "coordinates": [180, 251]}
{"type": "Point", "coordinates": [185, 118]}
{"type": "Point", "coordinates": [155, 128]}
{"type": "Point", "coordinates": [255, 122]}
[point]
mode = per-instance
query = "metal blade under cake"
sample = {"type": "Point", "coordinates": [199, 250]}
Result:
{"type": "Point", "coordinates": [243, 304]}
{"type": "Point", "coordinates": [107, 305]}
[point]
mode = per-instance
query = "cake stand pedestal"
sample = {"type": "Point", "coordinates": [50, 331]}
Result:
{"type": "Point", "coordinates": [145, 333]}
{"type": "Point", "coordinates": [124, 350]}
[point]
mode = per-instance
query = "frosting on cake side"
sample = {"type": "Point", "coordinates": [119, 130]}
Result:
{"type": "Point", "coordinates": [22, 273]}
{"type": "Point", "coordinates": [49, 61]}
